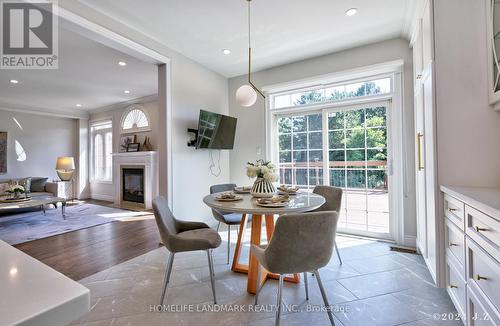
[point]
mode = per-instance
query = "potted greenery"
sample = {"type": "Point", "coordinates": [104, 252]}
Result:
{"type": "Point", "coordinates": [15, 191]}
{"type": "Point", "coordinates": [265, 172]}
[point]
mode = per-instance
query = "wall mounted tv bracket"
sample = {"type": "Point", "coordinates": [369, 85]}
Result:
{"type": "Point", "coordinates": [192, 142]}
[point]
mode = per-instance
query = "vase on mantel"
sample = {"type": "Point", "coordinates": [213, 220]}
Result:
{"type": "Point", "coordinates": [263, 188]}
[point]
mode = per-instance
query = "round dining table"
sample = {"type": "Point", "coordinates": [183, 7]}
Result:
{"type": "Point", "coordinates": [247, 205]}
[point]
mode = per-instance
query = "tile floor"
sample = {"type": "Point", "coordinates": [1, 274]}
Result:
{"type": "Point", "coordinates": [374, 286]}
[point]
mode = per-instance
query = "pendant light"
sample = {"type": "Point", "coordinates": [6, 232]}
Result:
{"type": "Point", "coordinates": [246, 95]}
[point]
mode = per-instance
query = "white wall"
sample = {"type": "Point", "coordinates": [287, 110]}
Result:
{"type": "Point", "coordinates": [468, 130]}
{"type": "Point", "coordinates": [250, 137]}
{"type": "Point", "coordinates": [43, 138]}
{"type": "Point", "coordinates": [193, 87]}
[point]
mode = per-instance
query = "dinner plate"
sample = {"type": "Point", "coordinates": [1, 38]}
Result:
{"type": "Point", "coordinates": [236, 198]}
{"type": "Point", "coordinates": [242, 190]}
{"type": "Point", "coordinates": [281, 192]}
{"type": "Point", "coordinates": [273, 205]}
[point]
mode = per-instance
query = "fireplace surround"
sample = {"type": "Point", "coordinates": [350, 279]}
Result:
{"type": "Point", "coordinates": [137, 173]}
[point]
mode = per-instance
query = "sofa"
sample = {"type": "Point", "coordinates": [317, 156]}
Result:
{"type": "Point", "coordinates": [37, 186]}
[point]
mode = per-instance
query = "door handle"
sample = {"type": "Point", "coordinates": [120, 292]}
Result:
{"type": "Point", "coordinates": [419, 150]}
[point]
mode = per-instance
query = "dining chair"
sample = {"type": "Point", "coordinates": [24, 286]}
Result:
{"type": "Point", "coordinates": [333, 196]}
{"type": "Point", "coordinates": [226, 217]}
{"type": "Point", "coordinates": [182, 236]}
{"type": "Point", "coordinates": [300, 243]}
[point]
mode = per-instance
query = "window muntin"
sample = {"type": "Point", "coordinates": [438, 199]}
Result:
{"type": "Point", "coordinates": [333, 93]}
{"type": "Point", "coordinates": [102, 151]}
{"type": "Point", "coordinates": [300, 146]}
{"type": "Point", "coordinates": [135, 119]}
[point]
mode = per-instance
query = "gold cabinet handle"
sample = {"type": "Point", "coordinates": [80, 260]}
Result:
{"type": "Point", "coordinates": [419, 149]}
{"type": "Point", "coordinates": [451, 244]}
{"type": "Point", "coordinates": [453, 286]}
{"type": "Point", "coordinates": [451, 210]}
{"type": "Point", "coordinates": [479, 229]}
{"type": "Point", "coordinates": [479, 277]}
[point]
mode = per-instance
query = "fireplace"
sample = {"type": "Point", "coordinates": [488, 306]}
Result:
{"type": "Point", "coordinates": [133, 185]}
{"type": "Point", "coordinates": [137, 173]}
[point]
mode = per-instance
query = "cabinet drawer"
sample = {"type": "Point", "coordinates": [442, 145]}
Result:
{"type": "Point", "coordinates": [484, 271]}
{"type": "Point", "coordinates": [455, 284]}
{"type": "Point", "coordinates": [454, 209]}
{"type": "Point", "coordinates": [455, 241]}
{"type": "Point", "coordinates": [480, 311]}
{"type": "Point", "coordinates": [483, 229]}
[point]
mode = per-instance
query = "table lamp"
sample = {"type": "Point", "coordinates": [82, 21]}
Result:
{"type": "Point", "coordinates": [65, 167]}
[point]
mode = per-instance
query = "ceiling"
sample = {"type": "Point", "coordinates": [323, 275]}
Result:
{"type": "Point", "coordinates": [283, 31]}
{"type": "Point", "coordinates": [88, 74]}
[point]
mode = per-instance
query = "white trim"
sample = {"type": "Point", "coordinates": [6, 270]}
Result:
{"type": "Point", "coordinates": [336, 77]}
{"type": "Point", "coordinates": [410, 241]}
{"type": "Point", "coordinates": [102, 197]}
{"type": "Point", "coordinates": [121, 105]}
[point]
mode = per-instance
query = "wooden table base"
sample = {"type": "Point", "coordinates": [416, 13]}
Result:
{"type": "Point", "coordinates": [252, 268]}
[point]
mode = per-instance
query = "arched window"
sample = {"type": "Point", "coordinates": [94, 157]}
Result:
{"type": "Point", "coordinates": [135, 119]}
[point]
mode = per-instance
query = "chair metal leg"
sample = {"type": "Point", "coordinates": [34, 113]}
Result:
{"type": "Point", "coordinates": [212, 274]}
{"type": "Point", "coordinates": [325, 299]}
{"type": "Point", "coordinates": [228, 242]}
{"type": "Point", "coordinates": [213, 266]}
{"type": "Point", "coordinates": [305, 284]}
{"type": "Point", "coordinates": [218, 226]}
{"type": "Point", "coordinates": [259, 272]}
{"type": "Point", "coordinates": [168, 271]}
{"type": "Point", "coordinates": [278, 300]}
{"type": "Point", "coordinates": [338, 253]}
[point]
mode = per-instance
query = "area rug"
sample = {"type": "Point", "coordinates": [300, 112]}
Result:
{"type": "Point", "coordinates": [27, 226]}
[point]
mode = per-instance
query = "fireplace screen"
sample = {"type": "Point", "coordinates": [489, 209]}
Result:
{"type": "Point", "coordinates": [133, 185]}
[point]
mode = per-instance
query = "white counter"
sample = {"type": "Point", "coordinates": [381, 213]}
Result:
{"type": "Point", "coordinates": [486, 200]}
{"type": "Point", "coordinates": [31, 293]}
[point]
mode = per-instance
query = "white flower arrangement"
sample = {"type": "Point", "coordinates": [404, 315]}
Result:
{"type": "Point", "coordinates": [262, 169]}
{"type": "Point", "coordinates": [15, 189]}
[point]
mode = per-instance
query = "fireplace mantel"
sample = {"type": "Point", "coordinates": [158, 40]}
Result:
{"type": "Point", "coordinates": [148, 161]}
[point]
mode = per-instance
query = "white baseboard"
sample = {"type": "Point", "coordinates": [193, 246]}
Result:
{"type": "Point", "coordinates": [410, 241]}
{"type": "Point", "coordinates": [102, 197]}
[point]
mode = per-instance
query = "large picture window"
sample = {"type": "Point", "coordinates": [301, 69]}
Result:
{"type": "Point", "coordinates": [102, 151]}
{"type": "Point", "coordinates": [342, 145]}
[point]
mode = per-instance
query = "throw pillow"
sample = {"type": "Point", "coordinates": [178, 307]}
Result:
{"type": "Point", "coordinates": [26, 183]}
{"type": "Point", "coordinates": [4, 186]}
{"type": "Point", "coordinates": [38, 184]}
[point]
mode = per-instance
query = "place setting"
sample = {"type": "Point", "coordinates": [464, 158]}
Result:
{"type": "Point", "coordinates": [274, 201]}
{"type": "Point", "coordinates": [227, 197]}
{"type": "Point", "coordinates": [288, 190]}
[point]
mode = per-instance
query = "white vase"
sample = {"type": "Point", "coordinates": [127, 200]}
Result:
{"type": "Point", "coordinates": [263, 188]}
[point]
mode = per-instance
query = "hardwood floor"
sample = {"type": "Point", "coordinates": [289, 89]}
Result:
{"type": "Point", "coordinates": [85, 252]}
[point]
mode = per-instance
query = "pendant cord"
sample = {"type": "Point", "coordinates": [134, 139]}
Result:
{"type": "Point", "coordinates": [249, 44]}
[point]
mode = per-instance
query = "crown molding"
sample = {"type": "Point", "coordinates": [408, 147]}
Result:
{"type": "Point", "coordinates": [67, 113]}
{"type": "Point", "coordinates": [121, 105]}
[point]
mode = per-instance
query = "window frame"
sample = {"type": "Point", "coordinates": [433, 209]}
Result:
{"type": "Point", "coordinates": [102, 132]}
{"type": "Point", "coordinates": [394, 70]}
{"type": "Point", "coordinates": [138, 129]}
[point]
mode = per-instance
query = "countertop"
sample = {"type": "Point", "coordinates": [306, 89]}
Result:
{"type": "Point", "coordinates": [32, 293]}
{"type": "Point", "coordinates": [487, 200]}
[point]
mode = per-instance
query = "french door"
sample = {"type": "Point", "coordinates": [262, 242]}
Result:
{"type": "Point", "coordinates": [346, 147]}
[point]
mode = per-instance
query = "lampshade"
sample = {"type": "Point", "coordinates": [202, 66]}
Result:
{"type": "Point", "coordinates": [65, 163]}
{"type": "Point", "coordinates": [246, 96]}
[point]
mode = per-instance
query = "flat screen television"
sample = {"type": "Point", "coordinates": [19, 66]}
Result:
{"type": "Point", "coordinates": [215, 131]}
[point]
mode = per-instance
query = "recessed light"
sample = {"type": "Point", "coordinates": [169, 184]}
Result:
{"type": "Point", "coordinates": [126, 91]}
{"type": "Point", "coordinates": [78, 105]}
{"type": "Point", "coordinates": [122, 63]}
{"type": "Point", "coordinates": [14, 81]}
{"type": "Point", "coordinates": [351, 12]}
{"type": "Point", "coordinates": [226, 51]}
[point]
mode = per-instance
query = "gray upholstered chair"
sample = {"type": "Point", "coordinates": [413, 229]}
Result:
{"type": "Point", "coordinates": [333, 196]}
{"type": "Point", "coordinates": [181, 236]}
{"type": "Point", "coordinates": [300, 243]}
{"type": "Point", "coordinates": [225, 217]}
